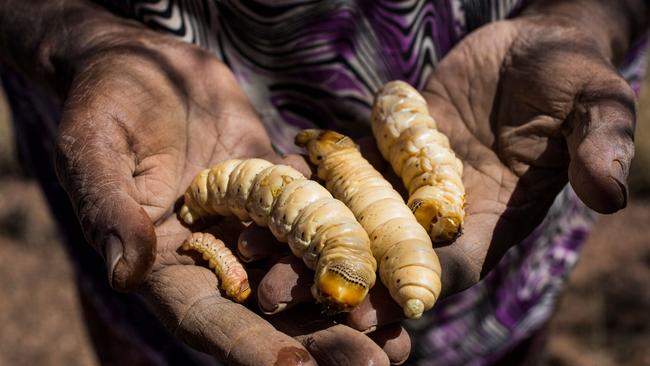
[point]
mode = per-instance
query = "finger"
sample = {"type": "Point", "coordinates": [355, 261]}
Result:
{"type": "Point", "coordinates": [302, 319]}
{"type": "Point", "coordinates": [395, 342]}
{"type": "Point", "coordinates": [377, 309]}
{"type": "Point", "coordinates": [286, 284]}
{"type": "Point", "coordinates": [94, 166]}
{"type": "Point", "coordinates": [256, 243]}
{"type": "Point", "coordinates": [186, 299]}
{"type": "Point", "coordinates": [227, 229]}
{"type": "Point", "coordinates": [342, 345]}
{"type": "Point", "coordinates": [600, 140]}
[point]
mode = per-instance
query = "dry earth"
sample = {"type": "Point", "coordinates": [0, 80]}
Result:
{"type": "Point", "coordinates": [602, 318]}
{"type": "Point", "coordinates": [39, 311]}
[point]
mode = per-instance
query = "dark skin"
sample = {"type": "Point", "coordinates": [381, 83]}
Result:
{"type": "Point", "coordinates": [526, 113]}
{"type": "Point", "coordinates": [162, 122]}
{"type": "Point", "coordinates": [527, 104]}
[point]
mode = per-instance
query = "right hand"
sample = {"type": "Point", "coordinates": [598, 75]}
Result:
{"type": "Point", "coordinates": [142, 116]}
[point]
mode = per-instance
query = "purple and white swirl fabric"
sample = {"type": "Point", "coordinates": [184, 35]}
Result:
{"type": "Point", "coordinates": [319, 63]}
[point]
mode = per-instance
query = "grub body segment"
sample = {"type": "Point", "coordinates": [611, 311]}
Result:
{"type": "Point", "coordinates": [413, 280]}
{"type": "Point", "coordinates": [232, 275]}
{"type": "Point", "coordinates": [319, 229]}
{"type": "Point", "coordinates": [407, 137]}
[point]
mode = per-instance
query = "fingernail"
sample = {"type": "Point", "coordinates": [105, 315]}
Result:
{"type": "Point", "coordinates": [293, 356]}
{"type": "Point", "coordinates": [370, 330]}
{"type": "Point", "coordinates": [278, 308]}
{"type": "Point", "coordinates": [619, 176]}
{"type": "Point", "coordinates": [113, 252]}
{"type": "Point", "coordinates": [247, 259]}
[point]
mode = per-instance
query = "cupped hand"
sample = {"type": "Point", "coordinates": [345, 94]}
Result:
{"type": "Point", "coordinates": [143, 115]}
{"type": "Point", "coordinates": [528, 105]}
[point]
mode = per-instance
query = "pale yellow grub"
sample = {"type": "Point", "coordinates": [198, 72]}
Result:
{"type": "Point", "coordinates": [319, 229]}
{"type": "Point", "coordinates": [232, 275]}
{"type": "Point", "coordinates": [408, 265]}
{"type": "Point", "coordinates": [407, 137]}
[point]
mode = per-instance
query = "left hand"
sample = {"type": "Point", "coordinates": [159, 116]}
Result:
{"type": "Point", "coordinates": [528, 104]}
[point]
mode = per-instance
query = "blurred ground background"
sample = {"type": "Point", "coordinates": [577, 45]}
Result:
{"type": "Point", "coordinates": [603, 317]}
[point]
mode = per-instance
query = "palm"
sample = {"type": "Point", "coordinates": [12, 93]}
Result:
{"type": "Point", "coordinates": [138, 127]}
{"type": "Point", "coordinates": [511, 108]}
{"type": "Point", "coordinates": [168, 124]}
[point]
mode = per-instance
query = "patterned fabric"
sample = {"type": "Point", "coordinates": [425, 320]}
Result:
{"type": "Point", "coordinates": [480, 325]}
{"type": "Point", "coordinates": [318, 63]}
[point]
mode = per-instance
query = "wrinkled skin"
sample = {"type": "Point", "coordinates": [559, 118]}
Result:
{"type": "Point", "coordinates": [526, 113]}
{"type": "Point", "coordinates": [138, 124]}
{"type": "Point", "coordinates": [525, 109]}
{"type": "Point", "coordinates": [527, 105]}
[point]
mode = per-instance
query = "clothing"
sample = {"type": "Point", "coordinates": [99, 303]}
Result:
{"type": "Point", "coordinates": [306, 63]}
{"type": "Point", "coordinates": [310, 63]}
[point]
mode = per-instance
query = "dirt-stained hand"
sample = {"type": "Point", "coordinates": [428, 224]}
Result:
{"type": "Point", "coordinates": [143, 115]}
{"type": "Point", "coordinates": [528, 105]}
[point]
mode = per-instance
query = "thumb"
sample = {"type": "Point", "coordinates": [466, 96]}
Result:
{"type": "Point", "coordinates": [91, 167]}
{"type": "Point", "coordinates": [600, 140]}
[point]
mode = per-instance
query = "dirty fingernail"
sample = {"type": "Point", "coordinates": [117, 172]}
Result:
{"type": "Point", "coordinates": [293, 356]}
{"type": "Point", "coordinates": [278, 308]}
{"type": "Point", "coordinates": [370, 329]}
{"type": "Point", "coordinates": [113, 252]}
{"type": "Point", "coordinates": [618, 171]}
{"type": "Point", "coordinates": [618, 174]}
{"type": "Point", "coordinates": [247, 259]}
